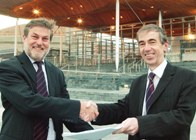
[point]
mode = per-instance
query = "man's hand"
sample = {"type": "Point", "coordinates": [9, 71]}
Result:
{"type": "Point", "coordinates": [129, 126]}
{"type": "Point", "coordinates": [88, 111]}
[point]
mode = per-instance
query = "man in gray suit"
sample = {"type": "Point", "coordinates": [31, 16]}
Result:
{"type": "Point", "coordinates": [168, 112]}
{"type": "Point", "coordinates": [24, 103]}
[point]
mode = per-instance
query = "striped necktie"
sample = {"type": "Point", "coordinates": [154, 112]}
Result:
{"type": "Point", "coordinates": [41, 124]}
{"type": "Point", "coordinates": [150, 91]}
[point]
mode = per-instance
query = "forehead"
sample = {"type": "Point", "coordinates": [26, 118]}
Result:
{"type": "Point", "coordinates": [148, 35]}
{"type": "Point", "coordinates": [39, 30]}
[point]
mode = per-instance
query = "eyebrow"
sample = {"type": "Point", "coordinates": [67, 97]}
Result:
{"type": "Point", "coordinates": [147, 40]}
{"type": "Point", "coordinates": [34, 33]}
{"type": "Point", "coordinates": [39, 35]}
{"type": "Point", "coordinates": [152, 39]}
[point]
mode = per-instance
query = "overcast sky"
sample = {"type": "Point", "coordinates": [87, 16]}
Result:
{"type": "Point", "coordinates": [6, 21]}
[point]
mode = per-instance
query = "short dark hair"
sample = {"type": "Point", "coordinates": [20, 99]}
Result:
{"type": "Point", "coordinates": [43, 22]}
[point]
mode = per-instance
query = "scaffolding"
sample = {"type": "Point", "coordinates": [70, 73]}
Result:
{"type": "Point", "coordinates": [92, 49]}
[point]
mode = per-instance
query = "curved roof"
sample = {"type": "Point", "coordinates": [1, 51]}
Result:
{"type": "Point", "coordinates": [97, 13]}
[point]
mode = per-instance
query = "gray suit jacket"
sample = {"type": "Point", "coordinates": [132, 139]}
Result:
{"type": "Point", "coordinates": [172, 110]}
{"type": "Point", "coordinates": [22, 104]}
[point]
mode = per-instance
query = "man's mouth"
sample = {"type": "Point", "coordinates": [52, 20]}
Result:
{"type": "Point", "coordinates": [149, 54]}
{"type": "Point", "coordinates": [37, 47]}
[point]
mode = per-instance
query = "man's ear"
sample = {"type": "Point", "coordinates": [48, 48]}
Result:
{"type": "Point", "coordinates": [23, 37]}
{"type": "Point", "coordinates": [166, 46]}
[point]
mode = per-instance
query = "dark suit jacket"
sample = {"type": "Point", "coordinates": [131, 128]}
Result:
{"type": "Point", "coordinates": [172, 110]}
{"type": "Point", "coordinates": [22, 104]}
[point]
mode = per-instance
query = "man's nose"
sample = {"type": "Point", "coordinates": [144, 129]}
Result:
{"type": "Point", "coordinates": [147, 46]}
{"type": "Point", "coordinates": [39, 41]}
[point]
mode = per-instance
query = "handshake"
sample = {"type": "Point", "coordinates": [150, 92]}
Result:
{"type": "Point", "coordinates": [88, 111]}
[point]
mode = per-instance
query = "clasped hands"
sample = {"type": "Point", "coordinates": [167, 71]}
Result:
{"type": "Point", "coordinates": [88, 111]}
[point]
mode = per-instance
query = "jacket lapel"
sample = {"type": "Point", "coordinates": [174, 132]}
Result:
{"type": "Point", "coordinates": [27, 66]}
{"type": "Point", "coordinates": [142, 90]}
{"type": "Point", "coordinates": [164, 81]}
{"type": "Point", "coordinates": [50, 77]}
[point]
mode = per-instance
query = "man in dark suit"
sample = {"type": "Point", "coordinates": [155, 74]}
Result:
{"type": "Point", "coordinates": [21, 99]}
{"type": "Point", "coordinates": [169, 111]}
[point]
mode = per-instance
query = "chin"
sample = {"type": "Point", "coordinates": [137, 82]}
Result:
{"type": "Point", "coordinates": [150, 62]}
{"type": "Point", "coordinates": [37, 56]}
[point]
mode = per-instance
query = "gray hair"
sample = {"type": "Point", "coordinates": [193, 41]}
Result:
{"type": "Point", "coordinates": [42, 22]}
{"type": "Point", "coordinates": [153, 27]}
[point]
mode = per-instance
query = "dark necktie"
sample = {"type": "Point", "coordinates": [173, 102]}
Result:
{"type": "Point", "coordinates": [150, 91]}
{"type": "Point", "coordinates": [40, 124]}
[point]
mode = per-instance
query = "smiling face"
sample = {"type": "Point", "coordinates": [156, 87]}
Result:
{"type": "Point", "coordinates": [37, 42]}
{"type": "Point", "coordinates": [151, 48]}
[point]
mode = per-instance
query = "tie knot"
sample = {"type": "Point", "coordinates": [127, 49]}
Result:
{"type": "Point", "coordinates": [39, 63]}
{"type": "Point", "coordinates": [151, 76]}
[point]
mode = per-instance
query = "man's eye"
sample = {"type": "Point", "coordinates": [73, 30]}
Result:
{"type": "Point", "coordinates": [34, 37]}
{"type": "Point", "coordinates": [141, 44]}
{"type": "Point", "coordinates": [152, 42]}
{"type": "Point", "coordinates": [45, 39]}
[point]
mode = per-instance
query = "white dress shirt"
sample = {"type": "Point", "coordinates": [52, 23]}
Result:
{"type": "Point", "coordinates": [158, 74]}
{"type": "Point", "coordinates": [51, 132]}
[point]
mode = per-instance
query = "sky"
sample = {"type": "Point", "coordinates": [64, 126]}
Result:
{"type": "Point", "coordinates": [6, 21]}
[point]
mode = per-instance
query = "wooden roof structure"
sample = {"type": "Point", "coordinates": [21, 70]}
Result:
{"type": "Point", "coordinates": [98, 13]}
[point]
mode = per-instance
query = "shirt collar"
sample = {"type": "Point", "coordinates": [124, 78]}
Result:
{"type": "Point", "coordinates": [160, 69]}
{"type": "Point", "coordinates": [32, 61]}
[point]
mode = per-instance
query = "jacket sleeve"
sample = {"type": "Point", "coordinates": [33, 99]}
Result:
{"type": "Point", "coordinates": [16, 88]}
{"type": "Point", "coordinates": [78, 126]}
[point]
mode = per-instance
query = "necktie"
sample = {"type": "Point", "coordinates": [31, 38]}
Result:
{"type": "Point", "coordinates": [40, 124]}
{"type": "Point", "coordinates": [150, 91]}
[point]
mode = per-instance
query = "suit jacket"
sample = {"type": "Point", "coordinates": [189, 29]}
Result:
{"type": "Point", "coordinates": [22, 104]}
{"type": "Point", "coordinates": [171, 113]}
